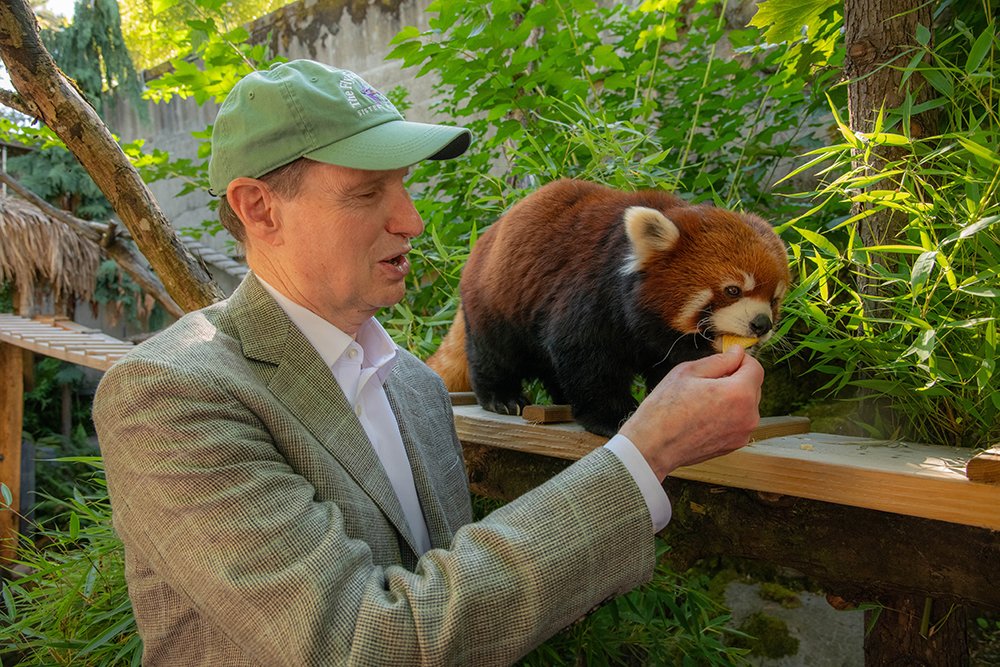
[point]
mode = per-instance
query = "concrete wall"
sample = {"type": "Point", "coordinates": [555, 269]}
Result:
{"type": "Point", "coordinates": [353, 34]}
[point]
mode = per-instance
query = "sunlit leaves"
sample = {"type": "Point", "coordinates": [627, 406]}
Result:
{"type": "Point", "coordinates": [927, 343]}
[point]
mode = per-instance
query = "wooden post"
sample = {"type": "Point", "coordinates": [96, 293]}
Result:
{"type": "Point", "coordinates": [11, 416]}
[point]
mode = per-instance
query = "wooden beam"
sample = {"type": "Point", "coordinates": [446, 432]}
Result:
{"type": "Point", "coordinates": [547, 414]}
{"type": "Point", "coordinates": [985, 467]}
{"type": "Point", "coordinates": [858, 554]}
{"type": "Point", "coordinates": [565, 440]}
{"type": "Point", "coordinates": [63, 340]}
{"type": "Point", "coordinates": [11, 417]}
{"type": "Point", "coordinates": [905, 478]}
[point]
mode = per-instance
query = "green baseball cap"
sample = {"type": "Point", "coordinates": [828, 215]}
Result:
{"type": "Point", "coordinates": [307, 109]}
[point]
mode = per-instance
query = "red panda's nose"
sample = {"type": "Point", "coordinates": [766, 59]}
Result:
{"type": "Point", "coordinates": [760, 325]}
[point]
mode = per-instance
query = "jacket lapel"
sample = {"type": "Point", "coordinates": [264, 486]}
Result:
{"type": "Point", "coordinates": [434, 514]}
{"type": "Point", "coordinates": [298, 378]}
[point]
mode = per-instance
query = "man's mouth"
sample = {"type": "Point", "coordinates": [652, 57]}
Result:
{"type": "Point", "coordinates": [398, 263]}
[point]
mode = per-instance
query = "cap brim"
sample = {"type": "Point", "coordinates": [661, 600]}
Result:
{"type": "Point", "coordinates": [394, 145]}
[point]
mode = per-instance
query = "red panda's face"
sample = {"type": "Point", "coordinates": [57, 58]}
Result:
{"type": "Point", "coordinates": [709, 271]}
{"type": "Point", "coordinates": [739, 306]}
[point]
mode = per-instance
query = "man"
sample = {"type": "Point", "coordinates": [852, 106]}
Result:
{"type": "Point", "coordinates": [288, 484]}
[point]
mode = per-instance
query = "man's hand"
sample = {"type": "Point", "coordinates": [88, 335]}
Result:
{"type": "Point", "coordinates": [700, 410]}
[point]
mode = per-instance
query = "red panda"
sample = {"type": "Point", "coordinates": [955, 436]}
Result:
{"type": "Point", "coordinates": [583, 287]}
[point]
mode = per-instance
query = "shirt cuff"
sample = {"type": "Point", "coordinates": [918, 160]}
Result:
{"type": "Point", "coordinates": [650, 487]}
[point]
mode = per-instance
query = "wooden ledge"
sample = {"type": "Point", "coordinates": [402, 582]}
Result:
{"type": "Point", "coordinates": [63, 339]}
{"type": "Point", "coordinates": [785, 459]}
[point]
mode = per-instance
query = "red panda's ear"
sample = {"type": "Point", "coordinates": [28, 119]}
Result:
{"type": "Point", "coordinates": [649, 231]}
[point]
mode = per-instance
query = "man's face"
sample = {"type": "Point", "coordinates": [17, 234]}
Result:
{"type": "Point", "coordinates": [343, 243]}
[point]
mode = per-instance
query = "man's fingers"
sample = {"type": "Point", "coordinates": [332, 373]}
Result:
{"type": "Point", "coordinates": [720, 365]}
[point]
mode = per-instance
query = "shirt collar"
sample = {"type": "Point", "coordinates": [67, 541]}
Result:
{"type": "Point", "coordinates": [330, 342]}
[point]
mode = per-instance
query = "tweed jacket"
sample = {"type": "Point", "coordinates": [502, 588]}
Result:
{"type": "Point", "coordinates": [261, 529]}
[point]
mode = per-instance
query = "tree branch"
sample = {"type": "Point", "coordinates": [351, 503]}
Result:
{"type": "Point", "coordinates": [12, 100]}
{"type": "Point", "coordinates": [36, 78]}
{"type": "Point", "coordinates": [97, 233]}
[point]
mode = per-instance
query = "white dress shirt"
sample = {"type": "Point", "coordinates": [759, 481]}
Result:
{"type": "Point", "coordinates": [360, 365]}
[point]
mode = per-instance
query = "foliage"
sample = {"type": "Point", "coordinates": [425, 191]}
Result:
{"type": "Point", "coordinates": [931, 356]}
{"type": "Point", "coordinates": [92, 53]}
{"type": "Point", "coordinates": [56, 176]}
{"type": "Point", "coordinates": [670, 621]}
{"type": "Point", "coordinates": [91, 50]}
{"type": "Point", "coordinates": [212, 51]}
{"type": "Point", "coordinates": [43, 402]}
{"type": "Point", "coordinates": [124, 299]}
{"type": "Point", "coordinates": [655, 96]}
{"type": "Point", "coordinates": [72, 606]}
{"type": "Point", "coordinates": [155, 31]}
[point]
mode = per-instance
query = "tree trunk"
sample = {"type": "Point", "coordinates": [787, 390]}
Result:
{"type": "Point", "coordinates": [907, 630]}
{"type": "Point", "coordinates": [55, 101]}
{"type": "Point", "coordinates": [876, 33]}
{"type": "Point", "coordinates": [916, 632]}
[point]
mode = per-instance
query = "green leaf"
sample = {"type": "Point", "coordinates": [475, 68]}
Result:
{"type": "Point", "coordinates": [783, 20]}
{"type": "Point", "coordinates": [924, 345]}
{"type": "Point", "coordinates": [979, 50]}
{"type": "Point", "coordinates": [922, 270]}
{"type": "Point", "coordinates": [160, 6]}
{"type": "Point", "coordinates": [8, 600]}
{"type": "Point", "coordinates": [979, 150]}
{"type": "Point", "coordinates": [817, 240]}
{"type": "Point", "coordinates": [923, 35]}
{"type": "Point", "coordinates": [972, 229]}
{"type": "Point", "coordinates": [74, 525]}
{"type": "Point", "coordinates": [8, 498]}
{"type": "Point", "coordinates": [407, 33]}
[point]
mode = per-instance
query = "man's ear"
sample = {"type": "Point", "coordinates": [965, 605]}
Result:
{"type": "Point", "coordinates": [254, 203]}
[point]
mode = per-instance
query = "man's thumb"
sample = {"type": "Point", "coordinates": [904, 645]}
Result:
{"type": "Point", "coordinates": [721, 365]}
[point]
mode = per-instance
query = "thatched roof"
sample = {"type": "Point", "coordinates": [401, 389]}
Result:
{"type": "Point", "coordinates": [36, 250]}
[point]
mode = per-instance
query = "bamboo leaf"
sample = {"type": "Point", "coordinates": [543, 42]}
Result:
{"type": "Point", "coordinates": [922, 270]}
{"type": "Point", "coordinates": [817, 240]}
{"type": "Point", "coordinates": [979, 50]}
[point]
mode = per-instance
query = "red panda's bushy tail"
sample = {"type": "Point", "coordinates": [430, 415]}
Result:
{"type": "Point", "coordinates": [449, 360]}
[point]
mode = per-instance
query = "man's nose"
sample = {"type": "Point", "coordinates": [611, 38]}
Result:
{"type": "Point", "coordinates": [404, 218]}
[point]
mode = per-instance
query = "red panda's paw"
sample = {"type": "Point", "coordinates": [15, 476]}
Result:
{"type": "Point", "coordinates": [513, 406]}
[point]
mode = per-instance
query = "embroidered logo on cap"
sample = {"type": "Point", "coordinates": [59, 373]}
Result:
{"type": "Point", "coordinates": [358, 92]}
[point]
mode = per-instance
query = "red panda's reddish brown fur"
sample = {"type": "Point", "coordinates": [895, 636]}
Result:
{"type": "Point", "coordinates": [584, 286]}
{"type": "Point", "coordinates": [449, 360]}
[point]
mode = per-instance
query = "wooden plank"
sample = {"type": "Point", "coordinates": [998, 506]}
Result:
{"type": "Point", "coordinates": [984, 467]}
{"type": "Point", "coordinates": [463, 398]}
{"type": "Point", "coordinates": [11, 417]}
{"type": "Point", "coordinates": [547, 414]}
{"type": "Point", "coordinates": [904, 478]}
{"type": "Point", "coordinates": [855, 553]}
{"type": "Point", "coordinates": [565, 440]}
{"type": "Point", "coordinates": [63, 339]}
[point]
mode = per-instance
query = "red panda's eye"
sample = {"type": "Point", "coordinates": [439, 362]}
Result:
{"type": "Point", "coordinates": [733, 291]}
